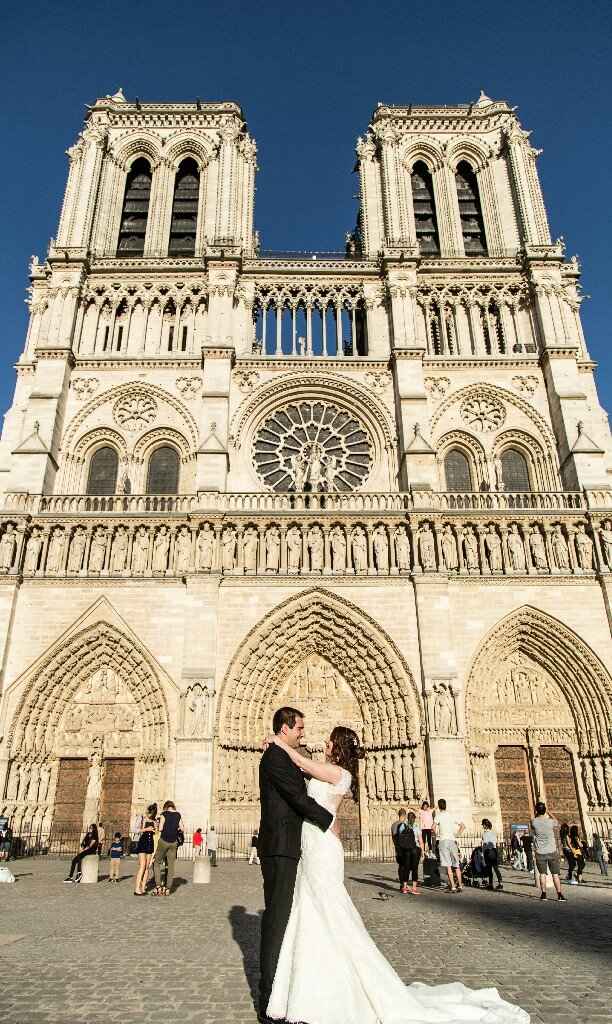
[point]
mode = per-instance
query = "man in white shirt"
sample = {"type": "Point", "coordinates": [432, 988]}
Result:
{"type": "Point", "coordinates": [448, 828]}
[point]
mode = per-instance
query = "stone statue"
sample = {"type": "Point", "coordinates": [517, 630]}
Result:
{"type": "Point", "coordinates": [315, 467]}
{"type": "Point", "coordinates": [494, 549]}
{"type": "Point", "coordinates": [294, 549]}
{"type": "Point", "coordinates": [140, 551]}
{"type": "Point", "coordinates": [380, 776]}
{"type": "Point", "coordinates": [273, 544]}
{"type": "Point", "coordinates": [370, 779]}
{"type": "Point", "coordinates": [499, 474]}
{"type": "Point", "coordinates": [427, 550]}
{"type": "Point", "coordinates": [481, 778]}
{"type": "Point", "coordinates": [608, 777]}
{"type": "Point", "coordinates": [97, 550]}
{"type": "Point", "coordinates": [196, 711]}
{"type": "Point", "coordinates": [228, 549]}
{"type": "Point", "coordinates": [359, 547]}
{"type": "Point", "coordinates": [584, 548]}
{"type": "Point", "coordinates": [161, 546]}
{"type": "Point", "coordinates": [389, 776]}
{"type": "Point", "coordinates": [182, 551]}
{"type": "Point", "coordinates": [316, 548]}
{"type": "Point", "coordinates": [250, 545]}
{"type": "Point", "coordinates": [538, 550]}
{"type": "Point", "coordinates": [600, 782]}
{"type": "Point", "coordinates": [402, 549]}
{"type": "Point", "coordinates": [32, 554]}
{"type": "Point", "coordinates": [8, 546]}
{"type": "Point", "coordinates": [57, 551]}
{"type": "Point", "coordinates": [560, 549]}
{"type": "Point", "coordinates": [516, 550]}
{"type": "Point", "coordinates": [77, 549]}
{"type": "Point", "coordinates": [587, 779]}
{"type": "Point", "coordinates": [299, 468]}
{"type": "Point", "coordinates": [381, 549]}
{"type": "Point", "coordinates": [338, 549]}
{"type": "Point", "coordinates": [605, 536]}
{"type": "Point", "coordinates": [420, 782]}
{"type": "Point", "coordinates": [206, 546]}
{"type": "Point", "coordinates": [407, 779]}
{"type": "Point", "coordinates": [444, 712]}
{"type": "Point", "coordinates": [470, 545]}
{"type": "Point", "coordinates": [329, 472]}
{"type": "Point", "coordinates": [449, 548]}
{"type": "Point", "coordinates": [94, 781]}
{"type": "Point", "coordinates": [119, 550]}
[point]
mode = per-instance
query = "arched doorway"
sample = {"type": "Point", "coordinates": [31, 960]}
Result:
{"type": "Point", "coordinates": [321, 653]}
{"type": "Point", "coordinates": [537, 713]}
{"type": "Point", "coordinates": [89, 739]}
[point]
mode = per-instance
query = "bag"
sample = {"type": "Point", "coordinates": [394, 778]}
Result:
{"type": "Point", "coordinates": [405, 838]}
{"type": "Point", "coordinates": [180, 837]}
{"type": "Point", "coordinates": [6, 875]}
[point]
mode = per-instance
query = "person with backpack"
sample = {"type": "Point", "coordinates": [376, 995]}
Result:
{"type": "Point", "coordinates": [410, 847]}
{"type": "Point", "coordinates": [171, 837]}
{"type": "Point", "coordinates": [489, 851]}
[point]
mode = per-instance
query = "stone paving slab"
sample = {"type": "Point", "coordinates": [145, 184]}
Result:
{"type": "Point", "coordinates": [96, 954]}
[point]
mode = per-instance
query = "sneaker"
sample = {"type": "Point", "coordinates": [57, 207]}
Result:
{"type": "Point", "coordinates": [561, 897]}
{"type": "Point", "coordinates": [499, 887]}
{"type": "Point", "coordinates": [542, 895]}
{"type": "Point", "coordinates": [68, 881]}
{"type": "Point", "coordinates": [573, 881]}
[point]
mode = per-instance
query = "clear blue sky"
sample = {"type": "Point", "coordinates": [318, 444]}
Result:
{"type": "Point", "coordinates": [308, 77]}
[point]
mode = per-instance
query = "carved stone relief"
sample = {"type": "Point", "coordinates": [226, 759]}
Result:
{"type": "Point", "coordinates": [197, 709]}
{"type": "Point", "coordinates": [516, 693]}
{"type": "Point", "coordinates": [102, 712]}
{"type": "Point", "coordinates": [135, 411]}
{"type": "Point", "coordinates": [483, 414]}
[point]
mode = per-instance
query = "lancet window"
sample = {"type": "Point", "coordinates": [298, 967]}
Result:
{"type": "Point", "coordinates": [515, 473]}
{"type": "Point", "coordinates": [425, 210]}
{"type": "Point", "coordinates": [185, 210]}
{"type": "Point", "coordinates": [102, 476]}
{"type": "Point", "coordinates": [135, 210]}
{"type": "Point", "coordinates": [470, 212]}
{"type": "Point", "coordinates": [163, 472]}
{"type": "Point", "coordinates": [457, 471]}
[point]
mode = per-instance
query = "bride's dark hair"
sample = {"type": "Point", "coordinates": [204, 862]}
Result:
{"type": "Point", "coordinates": [346, 752]}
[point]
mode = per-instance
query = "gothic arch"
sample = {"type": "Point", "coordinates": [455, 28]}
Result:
{"type": "Point", "coordinates": [471, 448]}
{"type": "Point", "coordinates": [126, 151]}
{"type": "Point", "coordinates": [470, 150]}
{"type": "Point", "coordinates": [421, 149]}
{"type": "Point", "coordinates": [182, 145]}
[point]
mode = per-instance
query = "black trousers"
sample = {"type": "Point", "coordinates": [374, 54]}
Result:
{"type": "Point", "coordinates": [76, 861]}
{"type": "Point", "coordinates": [279, 882]}
{"type": "Point", "coordinates": [409, 865]}
{"type": "Point", "coordinates": [490, 857]}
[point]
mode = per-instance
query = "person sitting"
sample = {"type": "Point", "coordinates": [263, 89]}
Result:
{"type": "Point", "coordinates": [89, 846]}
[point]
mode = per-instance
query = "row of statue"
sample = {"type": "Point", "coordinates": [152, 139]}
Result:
{"type": "Point", "coordinates": [395, 775]}
{"type": "Point", "coordinates": [341, 548]}
{"type": "Point", "coordinates": [597, 781]}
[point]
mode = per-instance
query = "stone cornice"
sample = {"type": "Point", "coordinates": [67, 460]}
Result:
{"type": "Point", "coordinates": [65, 354]}
{"type": "Point", "coordinates": [314, 364]}
{"type": "Point", "coordinates": [134, 363]}
{"type": "Point", "coordinates": [485, 363]}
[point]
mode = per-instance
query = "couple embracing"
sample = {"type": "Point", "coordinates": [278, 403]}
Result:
{"type": "Point", "coordinates": [318, 962]}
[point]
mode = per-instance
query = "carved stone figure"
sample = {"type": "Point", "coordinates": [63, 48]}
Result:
{"type": "Point", "coordinates": [182, 551]}
{"type": "Point", "coordinates": [316, 548]}
{"type": "Point", "coordinates": [402, 549]}
{"type": "Point", "coordinates": [605, 536]}
{"type": "Point", "coordinates": [77, 549]}
{"type": "Point", "coordinates": [140, 551]}
{"type": "Point", "coordinates": [299, 467]}
{"type": "Point", "coordinates": [608, 777]}
{"type": "Point", "coordinates": [600, 782]}
{"type": "Point", "coordinates": [381, 549]}
{"type": "Point", "coordinates": [584, 548]}
{"type": "Point", "coordinates": [389, 776]}
{"type": "Point", "coordinates": [470, 546]}
{"type": "Point", "coordinates": [94, 780]}
{"type": "Point", "coordinates": [338, 549]}
{"type": "Point", "coordinates": [161, 546]}
{"type": "Point", "coordinates": [119, 550]}
{"type": "Point", "coordinates": [228, 549]}
{"type": "Point", "coordinates": [538, 550]}
{"type": "Point", "coordinates": [32, 554]}
{"type": "Point", "coordinates": [329, 472]}
{"type": "Point", "coordinates": [499, 474]}
{"type": "Point", "coordinates": [407, 778]}
{"type": "Point", "coordinates": [273, 549]}
{"type": "Point", "coordinates": [418, 771]}
{"type": "Point", "coordinates": [482, 779]}
{"type": "Point", "coordinates": [516, 550]}
{"type": "Point", "coordinates": [494, 549]}
{"type": "Point", "coordinates": [427, 549]}
{"type": "Point", "coordinates": [197, 711]}
{"type": "Point", "coordinates": [315, 467]}
{"type": "Point", "coordinates": [449, 548]}
{"type": "Point", "coordinates": [250, 545]}
{"type": "Point", "coordinates": [380, 776]}
{"type": "Point", "coordinates": [206, 547]}
{"type": "Point", "coordinates": [8, 546]}
{"type": "Point", "coordinates": [359, 549]}
{"type": "Point", "coordinates": [57, 551]}
{"type": "Point", "coordinates": [444, 712]}
{"type": "Point", "coordinates": [587, 780]}
{"type": "Point", "coordinates": [97, 550]}
{"type": "Point", "coordinates": [560, 549]}
{"type": "Point", "coordinates": [370, 779]}
{"type": "Point", "coordinates": [294, 549]}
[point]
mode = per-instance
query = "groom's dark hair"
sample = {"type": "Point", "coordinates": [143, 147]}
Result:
{"type": "Point", "coordinates": [285, 716]}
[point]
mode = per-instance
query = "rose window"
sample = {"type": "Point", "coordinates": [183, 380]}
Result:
{"type": "Point", "coordinates": [134, 411]}
{"type": "Point", "coordinates": [312, 446]}
{"type": "Point", "coordinates": [483, 413]}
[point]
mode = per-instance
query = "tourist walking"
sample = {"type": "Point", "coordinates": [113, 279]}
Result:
{"type": "Point", "coordinates": [410, 844]}
{"type": "Point", "coordinates": [211, 843]}
{"type": "Point", "coordinates": [567, 850]}
{"type": "Point", "coordinates": [527, 845]}
{"type": "Point", "coordinates": [89, 846]}
{"type": "Point", "coordinates": [169, 837]}
{"type": "Point", "coordinates": [543, 829]}
{"type": "Point", "coordinates": [197, 843]}
{"type": "Point", "coordinates": [489, 850]}
{"type": "Point", "coordinates": [600, 854]}
{"type": "Point", "coordinates": [577, 847]}
{"type": "Point", "coordinates": [145, 851]}
{"type": "Point", "coordinates": [399, 855]}
{"type": "Point", "coordinates": [115, 853]}
{"type": "Point", "coordinates": [254, 856]}
{"type": "Point", "coordinates": [449, 829]}
{"type": "Point", "coordinates": [426, 823]}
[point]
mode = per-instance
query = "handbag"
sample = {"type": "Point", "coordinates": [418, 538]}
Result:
{"type": "Point", "coordinates": [180, 837]}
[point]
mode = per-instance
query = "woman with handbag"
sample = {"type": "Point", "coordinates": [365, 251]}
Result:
{"type": "Point", "coordinates": [171, 837]}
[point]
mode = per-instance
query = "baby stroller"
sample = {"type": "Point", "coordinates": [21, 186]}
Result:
{"type": "Point", "coordinates": [474, 871]}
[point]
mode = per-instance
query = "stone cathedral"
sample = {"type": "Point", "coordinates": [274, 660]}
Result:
{"type": "Point", "coordinates": [372, 483]}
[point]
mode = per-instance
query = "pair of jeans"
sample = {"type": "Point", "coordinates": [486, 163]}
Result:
{"type": "Point", "coordinates": [603, 867]}
{"type": "Point", "coordinates": [164, 852]}
{"type": "Point", "coordinates": [76, 861]}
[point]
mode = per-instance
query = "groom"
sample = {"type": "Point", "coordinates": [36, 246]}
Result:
{"type": "Point", "coordinates": [285, 804]}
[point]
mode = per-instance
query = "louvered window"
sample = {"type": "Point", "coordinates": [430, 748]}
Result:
{"type": "Point", "coordinates": [515, 473]}
{"type": "Point", "coordinates": [185, 210]}
{"type": "Point", "coordinates": [163, 474]}
{"type": "Point", "coordinates": [472, 225]}
{"type": "Point", "coordinates": [457, 471]}
{"type": "Point", "coordinates": [424, 210]}
{"type": "Point", "coordinates": [135, 210]}
{"type": "Point", "coordinates": [102, 478]}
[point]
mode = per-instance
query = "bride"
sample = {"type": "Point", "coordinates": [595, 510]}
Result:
{"type": "Point", "coordinates": [329, 970]}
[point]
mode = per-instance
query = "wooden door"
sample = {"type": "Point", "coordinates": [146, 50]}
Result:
{"type": "Point", "coordinates": [559, 784]}
{"type": "Point", "coordinates": [70, 794]}
{"type": "Point", "coordinates": [514, 787]}
{"type": "Point", "coordinates": [117, 789]}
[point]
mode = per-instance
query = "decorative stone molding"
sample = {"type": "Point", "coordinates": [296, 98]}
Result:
{"type": "Point", "coordinates": [84, 387]}
{"type": "Point", "coordinates": [189, 387]}
{"type": "Point", "coordinates": [482, 413]}
{"type": "Point", "coordinates": [247, 380]}
{"type": "Point", "coordinates": [437, 386]}
{"type": "Point", "coordinates": [379, 380]}
{"type": "Point", "coordinates": [135, 411]}
{"type": "Point", "coordinates": [526, 385]}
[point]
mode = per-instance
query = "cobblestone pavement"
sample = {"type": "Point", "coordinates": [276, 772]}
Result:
{"type": "Point", "coordinates": [98, 955]}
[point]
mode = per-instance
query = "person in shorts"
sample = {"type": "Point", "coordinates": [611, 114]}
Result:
{"type": "Point", "coordinates": [544, 830]}
{"type": "Point", "coordinates": [448, 829]}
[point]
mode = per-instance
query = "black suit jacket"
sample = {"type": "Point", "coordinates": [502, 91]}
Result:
{"type": "Point", "coordinates": [285, 804]}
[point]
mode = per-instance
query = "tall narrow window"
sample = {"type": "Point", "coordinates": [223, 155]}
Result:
{"type": "Point", "coordinates": [163, 474]}
{"type": "Point", "coordinates": [515, 473]}
{"type": "Point", "coordinates": [424, 210]}
{"type": "Point", "coordinates": [457, 471]}
{"type": "Point", "coordinates": [102, 478]}
{"type": "Point", "coordinates": [135, 209]}
{"type": "Point", "coordinates": [185, 210]}
{"type": "Point", "coordinates": [472, 225]}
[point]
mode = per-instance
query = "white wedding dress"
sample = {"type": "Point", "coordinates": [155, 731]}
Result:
{"type": "Point", "coordinates": [331, 972]}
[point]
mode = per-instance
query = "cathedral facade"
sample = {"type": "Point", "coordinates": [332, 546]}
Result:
{"type": "Point", "coordinates": [374, 484]}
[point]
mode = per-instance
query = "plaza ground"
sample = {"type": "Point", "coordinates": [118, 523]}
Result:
{"type": "Point", "coordinates": [99, 955]}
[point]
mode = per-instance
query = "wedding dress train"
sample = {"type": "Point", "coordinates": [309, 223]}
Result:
{"type": "Point", "coordinates": [331, 972]}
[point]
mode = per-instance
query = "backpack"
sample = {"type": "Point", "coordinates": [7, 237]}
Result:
{"type": "Point", "coordinates": [405, 838]}
{"type": "Point", "coordinates": [180, 837]}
